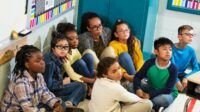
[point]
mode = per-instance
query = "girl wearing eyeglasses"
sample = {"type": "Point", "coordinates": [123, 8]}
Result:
{"type": "Point", "coordinates": [127, 49]}
{"type": "Point", "coordinates": [58, 82]}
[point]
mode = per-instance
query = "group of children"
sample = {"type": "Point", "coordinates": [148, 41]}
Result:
{"type": "Point", "coordinates": [120, 81]}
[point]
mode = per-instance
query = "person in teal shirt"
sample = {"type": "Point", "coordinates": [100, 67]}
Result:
{"type": "Point", "coordinates": [184, 56]}
{"type": "Point", "coordinates": [161, 76]}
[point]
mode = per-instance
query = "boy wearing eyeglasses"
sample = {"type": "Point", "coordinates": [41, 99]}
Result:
{"type": "Point", "coordinates": [184, 56]}
{"type": "Point", "coordinates": [70, 92]}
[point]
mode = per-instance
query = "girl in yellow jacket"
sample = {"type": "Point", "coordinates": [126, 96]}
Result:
{"type": "Point", "coordinates": [127, 49]}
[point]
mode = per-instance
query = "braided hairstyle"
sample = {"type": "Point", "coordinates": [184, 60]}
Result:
{"type": "Point", "coordinates": [22, 56]}
{"type": "Point", "coordinates": [130, 39]}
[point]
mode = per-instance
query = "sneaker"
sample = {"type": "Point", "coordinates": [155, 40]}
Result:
{"type": "Point", "coordinates": [74, 109]}
{"type": "Point", "coordinates": [161, 109]}
{"type": "Point", "coordinates": [68, 104]}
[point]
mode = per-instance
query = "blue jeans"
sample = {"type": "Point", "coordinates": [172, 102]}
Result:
{"type": "Point", "coordinates": [84, 66]}
{"type": "Point", "coordinates": [162, 100]}
{"type": "Point", "coordinates": [74, 92]}
{"type": "Point", "coordinates": [126, 62]}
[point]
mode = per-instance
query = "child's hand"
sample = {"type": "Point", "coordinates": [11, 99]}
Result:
{"type": "Point", "coordinates": [184, 82]}
{"type": "Point", "coordinates": [146, 95]}
{"type": "Point", "coordinates": [179, 86]}
{"type": "Point", "coordinates": [65, 60]}
{"type": "Point", "coordinates": [66, 80]}
{"type": "Point", "coordinates": [140, 93]}
{"type": "Point", "coordinates": [128, 77]}
{"type": "Point", "coordinates": [57, 107]}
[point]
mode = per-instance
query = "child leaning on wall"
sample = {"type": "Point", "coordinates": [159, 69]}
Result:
{"type": "Point", "coordinates": [184, 56]}
{"type": "Point", "coordinates": [79, 68]}
{"type": "Point", "coordinates": [93, 35]}
{"type": "Point", "coordinates": [127, 49]}
{"type": "Point", "coordinates": [27, 91]}
{"type": "Point", "coordinates": [70, 92]}
{"type": "Point", "coordinates": [161, 76]}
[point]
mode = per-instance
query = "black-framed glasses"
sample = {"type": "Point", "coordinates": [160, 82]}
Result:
{"type": "Point", "coordinates": [60, 47]}
{"type": "Point", "coordinates": [96, 27]}
{"type": "Point", "coordinates": [189, 34]}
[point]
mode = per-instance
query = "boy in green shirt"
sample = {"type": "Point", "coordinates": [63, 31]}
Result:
{"type": "Point", "coordinates": [161, 75]}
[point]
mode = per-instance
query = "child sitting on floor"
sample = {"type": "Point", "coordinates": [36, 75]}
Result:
{"type": "Point", "coordinates": [107, 93]}
{"type": "Point", "coordinates": [161, 76]}
{"type": "Point", "coordinates": [27, 90]}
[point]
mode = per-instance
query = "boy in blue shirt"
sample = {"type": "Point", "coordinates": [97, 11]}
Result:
{"type": "Point", "coordinates": [184, 56]}
{"type": "Point", "coordinates": [161, 75]}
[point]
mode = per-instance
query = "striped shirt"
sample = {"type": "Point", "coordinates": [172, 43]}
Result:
{"type": "Point", "coordinates": [25, 93]}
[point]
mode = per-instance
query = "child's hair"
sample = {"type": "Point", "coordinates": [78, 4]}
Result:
{"type": "Point", "coordinates": [22, 56]}
{"type": "Point", "coordinates": [104, 65]}
{"type": "Point", "coordinates": [63, 28]}
{"type": "Point", "coordinates": [184, 27]}
{"type": "Point", "coordinates": [56, 37]}
{"type": "Point", "coordinates": [85, 20]}
{"type": "Point", "coordinates": [130, 39]}
{"type": "Point", "coordinates": [162, 41]}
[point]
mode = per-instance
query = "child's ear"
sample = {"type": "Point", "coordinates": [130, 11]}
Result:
{"type": "Point", "coordinates": [26, 65]}
{"type": "Point", "coordinates": [116, 35]}
{"type": "Point", "coordinates": [155, 51]}
{"type": "Point", "coordinates": [104, 75]}
{"type": "Point", "coordinates": [88, 28]}
{"type": "Point", "coordinates": [179, 37]}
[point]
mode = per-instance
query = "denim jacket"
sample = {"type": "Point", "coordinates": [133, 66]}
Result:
{"type": "Point", "coordinates": [53, 72]}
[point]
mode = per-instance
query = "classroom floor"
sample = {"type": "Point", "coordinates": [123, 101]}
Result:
{"type": "Point", "coordinates": [176, 106]}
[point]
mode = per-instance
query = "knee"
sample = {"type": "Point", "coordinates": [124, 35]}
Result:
{"type": "Point", "coordinates": [124, 55]}
{"type": "Point", "coordinates": [148, 104]}
{"type": "Point", "coordinates": [88, 56]}
{"type": "Point", "coordinates": [80, 62]}
{"type": "Point", "coordinates": [162, 102]}
{"type": "Point", "coordinates": [83, 86]}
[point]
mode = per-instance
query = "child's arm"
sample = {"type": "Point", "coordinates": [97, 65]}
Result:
{"type": "Point", "coordinates": [138, 56]}
{"type": "Point", "coordinates": [73, 75]}
{"type": "Point", "coordinates": [170, 84]}
{"type": "Point", "coordinates": [125, 96]}
{"type": "Point", "coordinates": [194, 64]}
{"type": "Point", "coordinates": [47, 97]}
{"type": "Point", "coordinates": [22, 94]}
{"type": "Point", "coordinates": [51, 82]}
{"type": "Point", "coordinates": [142, 74]}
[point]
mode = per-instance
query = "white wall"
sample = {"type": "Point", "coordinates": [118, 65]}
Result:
{"type": "Point", "coordinates": [43, 34]}
{"type": "Point", "coordinates": [168, 22]}
{"type": "Point", "coordinates": [12, 16]}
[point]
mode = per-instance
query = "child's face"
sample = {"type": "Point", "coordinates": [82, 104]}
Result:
{"type": "Point", "coordinates": [122, 32]}
{"type": "Point", "coordinates": [72, 39]}
{"type": "Point", "coordinates": [95, 26]}
{"type": "Point", "coordinates": [35, 63]}
{"type": "Point", "coordinates": [114, 72]}
{"type": "Point", "coordinates": [164, 52]}
{"type": "Point", "coordinates": [186, 36]}
{"type": "Point", "coordinates": [61, 49]}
